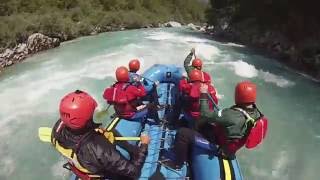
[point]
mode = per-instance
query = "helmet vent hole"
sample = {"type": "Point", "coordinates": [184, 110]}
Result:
{"type": "Point", "coordinates": [78, 91]}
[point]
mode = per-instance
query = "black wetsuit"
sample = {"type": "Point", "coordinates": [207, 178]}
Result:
{"type": "Point", "coordinates": [99, 156]}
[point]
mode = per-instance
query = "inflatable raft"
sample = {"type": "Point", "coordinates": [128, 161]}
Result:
{"type": "Point", "coordinates": [205, 165]}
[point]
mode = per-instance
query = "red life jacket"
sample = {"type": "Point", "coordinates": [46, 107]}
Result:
{"type": "Point", "coordinates": [183, 85]}
{"type": "Point", "coordinates": [205, 79]}
{"type": "Point", "coordinates": [122, 96]}
{"type": "Point", "coordinates": [256, 133]}
{"type": "Point", "coordinates": [191, 92]}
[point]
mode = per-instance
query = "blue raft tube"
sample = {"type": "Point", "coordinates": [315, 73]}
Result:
{"type": "Point", "coordinates": [204, 165]}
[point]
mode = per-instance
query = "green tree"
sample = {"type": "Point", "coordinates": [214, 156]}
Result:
{"type": "Point", "coordinates": [68, 19]}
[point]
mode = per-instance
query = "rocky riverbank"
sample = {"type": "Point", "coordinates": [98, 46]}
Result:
{"type": "Point", "coordinates": [302, 55]}
{"type": "Point", "coordinates": [38, 42]}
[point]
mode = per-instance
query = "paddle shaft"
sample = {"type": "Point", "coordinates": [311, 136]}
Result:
{"type": "Point", "coordinates": [127, 138]}
{"type": "Point", "coordinates": [44, 134]}
{"type": "Point", "coordinates": [214, 103]}
{"type": "Point", "coordinates": [108, 107]}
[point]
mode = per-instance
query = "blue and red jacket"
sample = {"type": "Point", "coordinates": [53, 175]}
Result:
{"type": "Point", "coordinates": [125, 97]}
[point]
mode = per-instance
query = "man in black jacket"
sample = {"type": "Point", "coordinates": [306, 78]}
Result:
{"type": "Point", "coordinates": [89, 152]}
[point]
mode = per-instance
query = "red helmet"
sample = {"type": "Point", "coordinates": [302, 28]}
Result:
{"type": "Point", "coordinates": [76, 109]}
{"type": "Point", "coordinates": [122, 74]}
{"type": "Point", "coordinates": [134, 65]}
{"type": "Point", "coordinates": [197, 63]}
{"type": "Point", "coordinates": [196, 75]}
{"type": "Point", "coordinates": [245, 93]}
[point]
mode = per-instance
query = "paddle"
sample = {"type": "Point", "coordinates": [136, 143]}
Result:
{"type": "Point", "coordinates": [214, 103]}
{"type": "Point", "coordinates": [194, 53]}
{"type": "Point", "coordinates": [44, 134]}
{"type": "Point", "coordinates": [103, 113]}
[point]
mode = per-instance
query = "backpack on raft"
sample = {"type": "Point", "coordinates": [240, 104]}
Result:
{"type": "Point", "coordinates": [118, 94]}
{"type": "Point", "coordinates": [258, 130]}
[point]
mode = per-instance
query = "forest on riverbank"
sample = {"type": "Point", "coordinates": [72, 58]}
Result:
{"type": "Point", "coordinates": [67, 19]}
{"type": "Point", "coordinates": [286, 29]}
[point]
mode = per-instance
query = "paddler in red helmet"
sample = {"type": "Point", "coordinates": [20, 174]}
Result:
{"type": "Point", "coordinates": [240, 125]}
{"type": "Point", "coordinates": [190, 89]}
{"type": "Point", "coordinates": [137, 79]}
{"type": "Point", "coordinates": [196, 64]}
{"type": "Point", "coordinates": [90, 152]}
{"type": "Point", "coordinates": [134, 67]}
{"type": "Point", "coordinates": [126, 97]}
{"type": "Point", "coordinates": [191, 94]}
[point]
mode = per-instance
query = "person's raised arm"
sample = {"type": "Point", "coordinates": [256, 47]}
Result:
{"type": "Point", "coordinates": [187, 61]}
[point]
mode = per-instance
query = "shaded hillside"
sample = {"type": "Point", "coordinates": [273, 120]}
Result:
{"type": "Point", "coordinates": [290, 30]}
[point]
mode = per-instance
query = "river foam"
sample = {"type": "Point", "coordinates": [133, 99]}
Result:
{"type": "Point", "coordinates": [7, 167]}
{"type": "Point", "coordinates": [278, 80]}
{"type": "Point", "coordinates": [246, 70]}
{"type": "Point", "coordinates": [241, 68]}
{"type": "Point", "coordinates": [174, 37]}
{"type": "Point", "coordinates": [233, 44]}
{"type": "Point", "coordinates": [206, 51]}
{"type": "Point", "coordinates": [280, 165]}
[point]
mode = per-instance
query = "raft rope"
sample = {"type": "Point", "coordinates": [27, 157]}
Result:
{"type": "Point", "coordinates": [164, 132]}
{"type": "Point", "coordinates": [163, 126]}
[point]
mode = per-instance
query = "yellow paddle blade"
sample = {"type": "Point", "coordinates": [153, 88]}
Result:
{"type": "Point", "coordinates": [44, 134]}
{"type": "Point", "coordinates": [101, 115]}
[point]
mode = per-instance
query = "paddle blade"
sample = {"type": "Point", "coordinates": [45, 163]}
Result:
{"type": "Point", "coordinates": [44, 134]}
{"type": "Point", "coordinates": [100, 115]}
